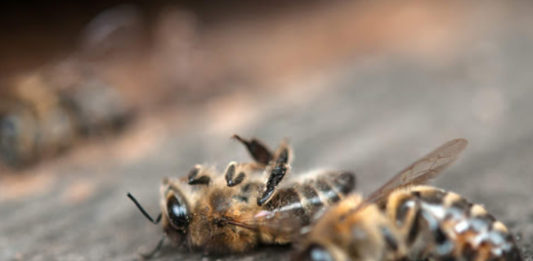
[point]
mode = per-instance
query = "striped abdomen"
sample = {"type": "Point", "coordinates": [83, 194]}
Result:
{"type": "Point", "coordinates": [342, 235]}
{"type": "Point", "coordinates": [443, 225]}
{"type": "Point", "coordinates": [301, 201]}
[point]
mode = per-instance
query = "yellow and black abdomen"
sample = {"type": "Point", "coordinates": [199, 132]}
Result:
{"type": "Point", "coordinates": [442, 225]}
{"type": "Point", "coordinates": [302, 201]}
{"type": "Point", "coordinates": [341, 234]}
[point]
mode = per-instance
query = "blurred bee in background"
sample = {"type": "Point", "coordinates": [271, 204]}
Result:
{"type": "Point", "coordinates": [247, 205]}
{"type": "Point", "coordinates": [404, 220]}
{"type": "Point", "coordinates": [39, 118]}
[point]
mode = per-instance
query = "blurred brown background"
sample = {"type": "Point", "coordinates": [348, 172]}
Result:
{"type": "Point", "coordinates": [367, 86]}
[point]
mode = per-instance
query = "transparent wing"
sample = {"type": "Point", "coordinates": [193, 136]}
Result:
{"type": "Point", "coordinates": [275, 223]}
{"type": "Point", "coordinates": [419, 172]}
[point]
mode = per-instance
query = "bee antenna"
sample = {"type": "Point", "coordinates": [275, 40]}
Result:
{"type": "Point", "coordinates": [156, 221]}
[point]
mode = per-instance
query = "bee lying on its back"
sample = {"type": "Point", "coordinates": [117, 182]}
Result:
{"type": "Point", "coordinates": [248, 204]}
{"type": "Point", "coordinates": [405, 221]}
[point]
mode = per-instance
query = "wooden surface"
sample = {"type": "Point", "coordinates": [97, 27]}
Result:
{"type": "Point", "coordinates": [373, 114]}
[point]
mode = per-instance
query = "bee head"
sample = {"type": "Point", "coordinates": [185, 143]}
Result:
{"type": "Point", "coordinates": [17, 137]}
{"type": "Point", "coordinates": [176, 212]}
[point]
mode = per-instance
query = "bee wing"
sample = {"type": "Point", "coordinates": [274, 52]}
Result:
{"type": "Point", "coordinates": [277, 224]}
{"type": "Point", "coordinates": [419, 172]}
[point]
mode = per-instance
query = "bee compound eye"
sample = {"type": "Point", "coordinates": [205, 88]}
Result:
{"type": "Point", "coordinates": [8, 131]}
{"type": "Point", "coordinates": [177, 212]}
{"type": "Point", "coordinates": [15, 129]}
{"type": "Point", "coordinates": [316, 252]}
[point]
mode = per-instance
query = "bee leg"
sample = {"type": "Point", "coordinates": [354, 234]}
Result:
{"type": "Point", "coordinates": [195, 176]}
{"type": "Point", "coordinates": [277, 172]}
{"type": "Point", "coordinates": [257, 149]}
{"type": "Point", "coordinates": [154, 251]}
{"type": "Point", "coordinates": [231, 178]}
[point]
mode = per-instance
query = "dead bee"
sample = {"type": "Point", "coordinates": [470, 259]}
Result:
{"type": "Point", "coordinates": [39, 120]}
{"type": "Point", "coordinates": [33, 122]}
{"type": "Point", "coordinates": [404, 220]}
{"type": "Point", "coordinates": [247, 205]}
